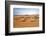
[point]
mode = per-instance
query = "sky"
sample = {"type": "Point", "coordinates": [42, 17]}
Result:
{"type": "Point", "coordinates": [25, 11]}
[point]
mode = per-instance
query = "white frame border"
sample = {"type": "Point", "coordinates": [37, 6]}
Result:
{"type": "Point", "coordinates": [26, 28]}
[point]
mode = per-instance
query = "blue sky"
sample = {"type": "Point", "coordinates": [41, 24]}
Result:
{"type": "Point", "coordinates": [25, 11]}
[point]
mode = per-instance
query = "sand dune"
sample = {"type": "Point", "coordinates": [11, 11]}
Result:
{"type": "Point", "coordinates": [26, 21]}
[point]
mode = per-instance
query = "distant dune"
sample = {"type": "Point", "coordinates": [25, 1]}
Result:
{"type": "Point", "coordinates": [26, 21]}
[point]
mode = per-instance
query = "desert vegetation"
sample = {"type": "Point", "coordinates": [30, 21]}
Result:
{"type": "Point", "coordinates": [26, 21]}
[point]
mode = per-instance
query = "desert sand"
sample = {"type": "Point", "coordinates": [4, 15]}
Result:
{"type": "Point", "coordinates": [20, 21]}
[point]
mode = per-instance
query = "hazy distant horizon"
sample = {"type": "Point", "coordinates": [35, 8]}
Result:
{"type": "Point", "coordinates": [25, 11]}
